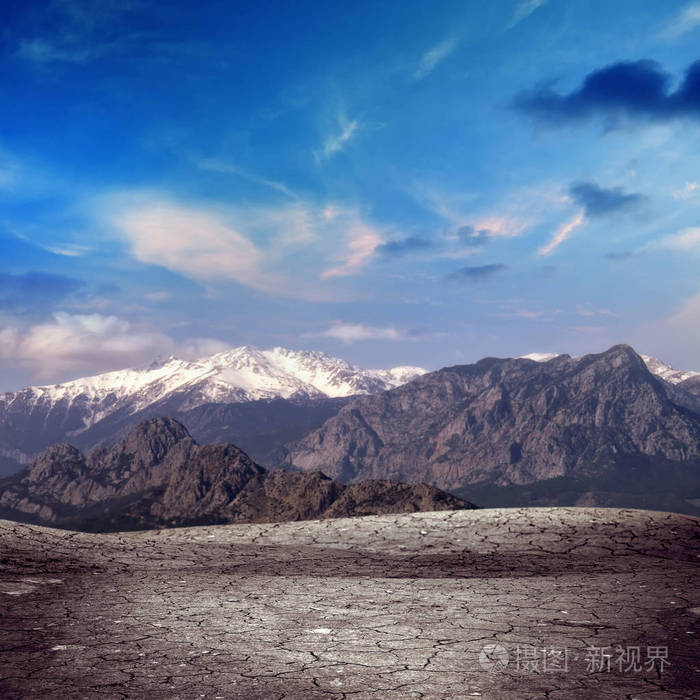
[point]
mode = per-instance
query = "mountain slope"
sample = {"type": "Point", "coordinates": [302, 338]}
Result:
{"type": "Point", "coordinates": [512, 422]}
{"type": "Point", "coordinates": [691, 385]}
{"type": "Point", "coordinates": [159, 476]}
{"type": "Point", "coordinates": [83, 409]}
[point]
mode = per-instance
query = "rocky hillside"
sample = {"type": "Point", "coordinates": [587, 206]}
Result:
{"type": "Point", "coordinates": [159, 476]}
{"type": "Point", "coordinates": [515, 422]}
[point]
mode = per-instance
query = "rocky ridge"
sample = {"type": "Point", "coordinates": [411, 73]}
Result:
{"type": "Point", "coordinates": [515, 422]}
{"type": "Point", "coordinates": [159, 476]}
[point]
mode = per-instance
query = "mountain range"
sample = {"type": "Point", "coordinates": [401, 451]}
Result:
{"type": "Point", "coordinates": [258, 399]}
{"type": "Point", "coordinates": [614, 428]}
{"type": "Point", "coordinates": [599, 429]}
{"type": "Point", "coordinates": [158, 476]}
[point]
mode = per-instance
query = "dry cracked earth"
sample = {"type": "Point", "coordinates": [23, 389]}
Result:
{"type": "Point", "coordinates": [569, 603]}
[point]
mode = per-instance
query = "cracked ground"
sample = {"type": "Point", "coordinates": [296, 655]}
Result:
{"type": "Point", "coordinates": [374, 607]}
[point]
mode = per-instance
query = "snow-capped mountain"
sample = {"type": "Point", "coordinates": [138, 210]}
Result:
{"type": "Point", "coordinates": [255, 398]}
{"type": "Point", "coordinates": [235, 376]}
{"type": "Point", "coordinates": [666, 372]}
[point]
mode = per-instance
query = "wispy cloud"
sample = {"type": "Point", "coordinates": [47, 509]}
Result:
{"type": "Point", "coordinates": [596, 202]}
{"type": "Point", "coordinates": [689, 191]}
{"type": "Point", "coordinates": [67, 250]}
{"type": "Point", "coordinates": [685, 21]}
{"type": "Point", "coordinates": [354, 332]}
{"type": "Point", "coordinates": [218, 165]}
{"type": "Point", "coordinates": [81, 31]}
{"type": "Point", "coordinates": [337, 140]}
{"type": "Point", "coordinates": [523, 10]}
{"type": "Point", "coordinates": [362, 241]}
{"type": "Point", "coordinates": [528, 314]}
{"type": "Point", "coordinates": [687, 240]}
{"type": "Point", "coordinates": [252, 246]}
{"type": "Point", "coordinates": [562, 233]}
{"type": "Point", "coordinates": [513, 216]}
{"type": "Point", "coordinates": [432, 58]}
{"type": "Point", "coordinates": [589, 311]}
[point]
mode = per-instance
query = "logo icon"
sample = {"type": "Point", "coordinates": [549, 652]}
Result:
{"type": "Point", "coordinates": [494, 658]}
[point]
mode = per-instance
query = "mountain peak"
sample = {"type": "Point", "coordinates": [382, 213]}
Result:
{"type": "Point", "coordinates": [237, 375]}
{"type": "Point", "coordinates": [508, 422]}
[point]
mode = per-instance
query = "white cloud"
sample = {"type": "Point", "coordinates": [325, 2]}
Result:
{"type": "Point", "coordinates": [362, 242]}
{"type": "Point", "coordinates": [71, 345]}
{"type": "Point", "coordinates": [199, 347]}
{"type": "Point", "coordinates": [561, 234]}
{"type": "Point", "coordinates": [524, 9]}
{"type": "Point", "coordinates": [335, 142]}
{"type": "Point", "coordinates": [685, 21]}
{"type": "Point", "coordinates": [689, 191]}
{"type": "Point", "coordinates": [192, 242]}
{"type": "Point", "coordinates": [257, 247]}
{"type": "Point", "coordinates": [687, 240]}
{"type": "Point", "coordinates": [82, 343]}
{"type": "Point", "coordinates": [433, 57]}
{"type": "Point", "coordinates": [353, 332]}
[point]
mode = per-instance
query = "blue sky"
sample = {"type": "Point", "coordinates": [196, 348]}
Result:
{"type": "Point", "coordinates": [395, 183]}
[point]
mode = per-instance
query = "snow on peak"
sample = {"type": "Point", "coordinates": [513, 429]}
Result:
{"type": "Point", "coordinates": [666, 372]}
{"type": "Point", "coordinates": [654, 365]}
{"type": "Point", "coordinates": [539, 356]}
{"type": "Point", "coordinates": [233, 376]}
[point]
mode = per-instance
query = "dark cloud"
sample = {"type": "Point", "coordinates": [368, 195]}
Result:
{"type": "Point", "coordinates": [599, 201]}
{"type": "Point", "coordinates": [404, 245]}
{"type": "Point", "coordinates": [477, 272]}
{"type": "Point", "coordinates": [31, 289]}
{"type": "Point", "coordinates": [634, 89]}
{"type": "Point", "coordinates": [469, 234]}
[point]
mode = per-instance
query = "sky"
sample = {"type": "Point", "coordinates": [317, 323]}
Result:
{"type": "Point", "coordinates": [389, 182]}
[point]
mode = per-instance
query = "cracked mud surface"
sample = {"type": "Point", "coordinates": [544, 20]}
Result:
{"type": "Point", "coordinates": [375, 607]}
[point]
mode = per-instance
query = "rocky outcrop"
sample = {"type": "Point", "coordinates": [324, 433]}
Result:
{"type": "Point", "coordinates": [510, 422]}
{"type": "Point", "coordinates": [159, 476]}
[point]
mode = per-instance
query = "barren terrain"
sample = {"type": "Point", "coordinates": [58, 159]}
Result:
{"type": "Point", "coordinates": [374, 607]}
